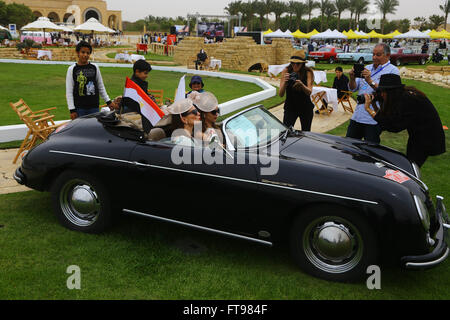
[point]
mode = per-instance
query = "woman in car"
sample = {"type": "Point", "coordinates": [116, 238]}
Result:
{"type": "Point", "coordinates": [209, 112]}
{"type": "Point", "coordinates": [184, 117]}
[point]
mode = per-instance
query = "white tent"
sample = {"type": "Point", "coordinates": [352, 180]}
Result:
{"type": "Point", "coordinates": [288, 32]}
{"type": "Point", "coordinates": [361, 33]}
{"type": "Point", "coordinates": [412, 34]}
{"type": "Point", "coordinates": [427, 31]}
{"type": "Point", "coordinates": [93, 26]}
{"type": "Point", "coordinates": [329, 35]}
{"type": "Point", "coordinates": [278, 34]}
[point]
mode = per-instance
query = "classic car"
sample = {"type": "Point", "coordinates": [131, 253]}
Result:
{"type": "Point", "coordinates": [362, 56]}
{"type": "Point", "coordinates": [341, 205]}
{"type": "Point", "coordinates": [401, 56]}
{"type": "Point", "coordinates": [325, 54]}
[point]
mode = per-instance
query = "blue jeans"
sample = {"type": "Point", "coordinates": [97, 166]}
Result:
{"type": "Point", "coordinates": [369, 132]}
{"type": "Point", "coordinates": [86, 112]}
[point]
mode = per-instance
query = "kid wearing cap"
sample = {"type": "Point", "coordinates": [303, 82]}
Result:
{"type": "Point", "coordinates": [196, 84]}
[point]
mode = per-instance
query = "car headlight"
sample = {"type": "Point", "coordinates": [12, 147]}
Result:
{"type": "Point", "coordinates": [416, 170]}
{"type": "Point", "coordinates": [422, 210]}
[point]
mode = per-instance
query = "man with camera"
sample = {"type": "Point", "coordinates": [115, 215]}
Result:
{"type": "Point", "coordinates": [365, 81]}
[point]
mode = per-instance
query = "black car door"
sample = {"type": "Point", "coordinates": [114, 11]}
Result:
{"type": "Point", "coordinates": [218, 196]}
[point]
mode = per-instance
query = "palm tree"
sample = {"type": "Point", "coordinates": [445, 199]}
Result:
{"type": "Point", "coordinates": [278, 8]}
{"type": "Point", "coordinates": [234, 8]}
{"type": "Point", "coordinates": [445, 8]}
{"type": "Point", "coordinates": [341, 6]}
{"type": "Point", "coordinates": [362, 6]}
{"type": "Point", "coordinates": [330, 10]}
{"type": "Point", "coordinates": [248, 13]}
{"type": "Point", "coordinates": [323, 5]}
{"type": "Point", "coordinates": [386, 7]}
{"type": "Point", "coordinates": [269, 5]}
{"type": "Point", "coordinates": [300, 10]}
{"type": "Point", "coordinates": [352, 4]}
{"type": "Point", "coordinates": [291, 11]}
{"type": "Point", "coordinates": [310, 6]}
{"type": "Point", "coordinates": [436, 21]}
{"type": "Point", "coordinates": [260, 9]}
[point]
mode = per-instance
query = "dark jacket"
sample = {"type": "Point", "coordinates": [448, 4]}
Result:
{"type": "Point", "coordinates": [341, 85]}
{"type": "Point", "coordinates": [132, 106]}
{"type": "Point", "coordinates": [417, 115]}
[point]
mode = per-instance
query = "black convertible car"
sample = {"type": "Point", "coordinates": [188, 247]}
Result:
{"type": "Point", "coordinates": [340, 204]}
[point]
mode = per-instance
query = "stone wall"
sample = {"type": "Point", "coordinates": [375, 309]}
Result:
{"type": "Point", "coordinates": [435, 74]}
{"type": "Point", "coordinates": [238, 53]}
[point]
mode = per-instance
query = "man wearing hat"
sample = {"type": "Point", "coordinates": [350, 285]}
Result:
{"type": "Point", "coordinates": [362, 125]}
{"type": "Point", "coordinates": [406, 108]}
{"type": "Point", "coordinates": [196, 84]}
{"type": "Point", "coordinates": [297, 83]}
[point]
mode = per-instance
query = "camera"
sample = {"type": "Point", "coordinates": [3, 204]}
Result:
{"type": "Point", "coordinates": [361, 99]}
{"type": "Point", "coordinates": [293, 77]}
{"type": "Point", "coordinates": [358, 68]}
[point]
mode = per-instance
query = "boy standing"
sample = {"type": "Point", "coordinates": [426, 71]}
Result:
{"type": "Point", "coordinates": [84, 85]}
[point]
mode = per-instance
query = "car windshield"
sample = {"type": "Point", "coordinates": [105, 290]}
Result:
{"type": "Point", "coordinates": [325, 50]}
{"type": "Point", "coordinates": [394, 50]}
{"type": "Point", "coordinates": [253, 128]}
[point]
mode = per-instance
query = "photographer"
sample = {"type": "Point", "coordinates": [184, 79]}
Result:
{"type": "Point", "coordinates": [297, 83]}
{"type": "Point", "coordinates": [406, 108]}
{"type": "Point", "coordinates": [362, 125]}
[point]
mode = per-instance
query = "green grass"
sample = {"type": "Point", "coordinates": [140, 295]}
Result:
{"type": "Point", "coordinates": [148, 56]}
{"type": "Point", "coordinates": [43, 86]}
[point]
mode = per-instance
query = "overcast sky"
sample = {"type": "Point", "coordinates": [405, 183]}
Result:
{"type": "Point", "coordinates": [133, 10]}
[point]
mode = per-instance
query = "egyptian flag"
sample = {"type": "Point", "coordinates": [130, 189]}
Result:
{"type": "Point", "coordinates": [148, 108]}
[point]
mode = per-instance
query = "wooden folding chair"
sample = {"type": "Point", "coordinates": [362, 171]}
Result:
{"type": "Point", "coordinates": [40, 125]}
{"type": "Point", "coordinates": [316, 99]}
{"type": "Point", "coordinates": [158, 95]}
{"type": "Point", "coordinates": [346, 102]}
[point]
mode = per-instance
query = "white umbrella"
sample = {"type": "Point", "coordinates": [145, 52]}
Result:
{"type": "Point", "coordinates": [93, 26]}
{"type": "Point", "coordinates": [278, 34]}
{"type": "Point", "coordinates": [329, 35]}
{"type": "Point", "coordinates": [42, 23]}
{"type": "Point", "coordinates": [65, 29]}
{"type": "Point", "coordinates": [3, 28]}
{"type": "Point", "coordinates": [413, 34]}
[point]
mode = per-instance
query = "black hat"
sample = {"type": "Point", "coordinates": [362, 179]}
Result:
{"type": "Point", "coordinates": [390, 81]}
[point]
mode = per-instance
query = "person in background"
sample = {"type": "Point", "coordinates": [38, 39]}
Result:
{"type": "Point", "coordinates": [297, 83]}
{"type": "Point", "coordinates": [84, 85]}
{"type": "Point", "coordinates": [425, 48]}
{"type": "Point", "coordinates": [340, 84]}
{"type": "Point", "coordinates": [362, 125]}
{"type": "Point", "coordinates": [196, 84]}
{"type": "Point", "coordinates": [201, 58]}
{"type": "Point", "coordinates": [406, 108]}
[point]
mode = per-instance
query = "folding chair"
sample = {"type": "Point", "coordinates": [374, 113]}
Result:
{"type": "Point", "coordinates": [345, 99]}
{"type": "Point", "coordinates": [318, 97]}
{"type": "Point", "coordinates": [40, 125]}
{"type": "Point", "coordinates": [158, 95]}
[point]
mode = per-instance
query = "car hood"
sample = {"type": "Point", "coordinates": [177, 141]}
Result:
{"type": "Point", "coordinates": [341, 153]}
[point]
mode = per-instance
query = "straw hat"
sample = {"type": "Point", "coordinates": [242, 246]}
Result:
{"type": "Point", "coordinates": [299, 56]}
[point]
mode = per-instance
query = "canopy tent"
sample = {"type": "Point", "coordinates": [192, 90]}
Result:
{"type": "Point", "coordinates": [412, 34]}
{"type": "Point", "coordinates": [329, 35]}
{"type": "Point", "coordinates": [300, 35]}
{"type": "Point", "coordinates": [427, 31]}
{"type": "Point", "coordinates": [288, 32]}
{"type": "Point", "coordinates": [361, 33]}
{"type": "Point", "coordinates": [353, 35]}
{"type": "Point", "coordinates": [93, 26]}
{"type": "Point", "coordinates": [439, 35]}
{"type": "Point", "coordinates": [392, 34]}
{"type": "Point", "coordinates": [268, 31]}
{"type": "Point", "coordinates": [278, 34]}
{"type": "Point", "coordinates": [375, 35]}
{"type": "Point", "coordinates": [312, 33]}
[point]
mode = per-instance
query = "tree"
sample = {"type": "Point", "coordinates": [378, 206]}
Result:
{"type": "Point", "coordinates": [14, 13]}
{"type": "Point", "coordinates": [362, 6]}
{"type": "Point", "coordinates": [352, 4]}
{"type": "Point", "coordinates": [310, 6]}
{"type": "Point", "coordinates": [291, 11]}
{"type": "Point", "coordinates": [260, 9]}
{"type": "Point", "coordinates": [278, 8]}
{"type": "Point", "coordinates": [403, 25]}
{"type": "Point", "coordinates": [341, 6]}
{"type": "Point", "coordinates": [269, 6]}
{"type": "Point", "coordinates": [300, 10]}
{"type": "Point", "coordinates": [330, 10]}
{"type": "Point", "coordinates": [420, 22]}
{"type": "Point", "coordinates": [248, 13]}
{"type": "Point", "coordinates": [323, 4]}
{"type": "Point", "coordinates": [234, 8]}
{"type": "Point", "coordinates": [436, 21]}
{"type": "Point", "coordinates": [386, 7]}
{"type": "Point", "coordinates": [445, 8]}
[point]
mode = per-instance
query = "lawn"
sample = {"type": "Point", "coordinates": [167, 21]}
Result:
{"type": "Point", "coordinates": [144, 259]}
{"type": "Point", "coordinates": [43, 86]}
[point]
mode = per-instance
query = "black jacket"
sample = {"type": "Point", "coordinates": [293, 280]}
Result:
{"type": "Point", "coordinates": [133, 106]}
{"type": "Point", "coordinates": [417, 115]}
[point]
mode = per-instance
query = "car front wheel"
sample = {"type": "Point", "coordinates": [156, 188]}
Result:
{"type": "Point", "coordinates": [331, 60]}
{"type": "Point", "coordinates": [398, 62]}
{"type": "Point", "coordinates": [361, 61]}
{"type": "Point", "coordinates": [422, 61]}
{"type": "Point", "coordinates": [333, 243]}
{"type": "Point", "coordinates": [81, 202]}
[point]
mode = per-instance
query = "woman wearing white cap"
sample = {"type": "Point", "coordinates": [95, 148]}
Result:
{"type": "Point", "coordinates": [209, 112]}
{"type": "Point", "coordinates": [184, 116]}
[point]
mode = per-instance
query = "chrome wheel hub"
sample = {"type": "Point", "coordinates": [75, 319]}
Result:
{"type": "Point", "coordinates": [80, 203]}
{"type": "Point", "coordinates": [332, 244]}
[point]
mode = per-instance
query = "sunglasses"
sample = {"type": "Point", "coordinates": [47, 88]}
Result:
{"type": "Point", "coordinates": [215, 112]}
{"type": "Point", "coordinates": [296, 63]}
{"type": "Point", "coordinates": [195, 112]}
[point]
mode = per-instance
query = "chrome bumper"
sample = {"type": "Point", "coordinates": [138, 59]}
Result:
{"type": "Point", "coordinates": [441, 249]}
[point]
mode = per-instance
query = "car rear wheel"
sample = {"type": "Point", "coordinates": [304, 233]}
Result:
{"type": "Point", "coordinates": [331, 60]}
{"type": "Point", "coordinates": [333, 243]}
{"type": "Point", "coordinates": [81, 202]}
